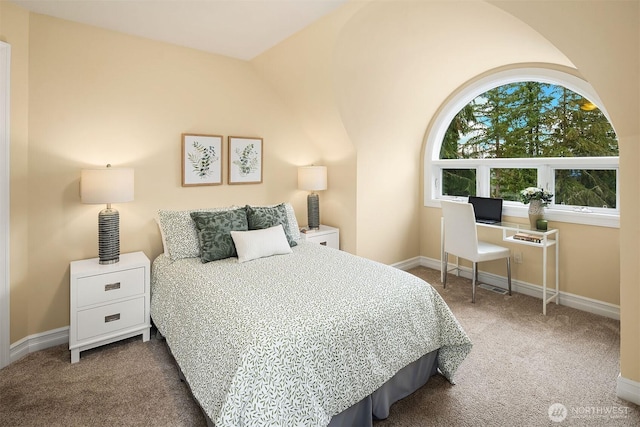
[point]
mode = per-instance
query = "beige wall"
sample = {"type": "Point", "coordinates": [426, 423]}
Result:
{"type": "Point", "coordinates": [306, 85]}
{"type": "Point", "coordinates": [390, 66]}
{"type": "Point", "coordinates": [14, 29]}
{"type": "Point", "coordinates": [97, 97]}
{"type": "Point", "coordinates": [355, 91]}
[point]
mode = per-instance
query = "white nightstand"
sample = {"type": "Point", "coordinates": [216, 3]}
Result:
{"type": "Point", "coordinates": [108, 302]}
{"type": "Point", "coordinates": [327, 236]}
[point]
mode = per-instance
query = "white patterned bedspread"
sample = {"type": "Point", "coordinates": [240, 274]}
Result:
{"type": "Point", "coordinates": [292, 340]}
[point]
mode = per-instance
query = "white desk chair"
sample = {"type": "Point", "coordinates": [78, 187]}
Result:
{"type": "Point", "coordinates": [461, 240]}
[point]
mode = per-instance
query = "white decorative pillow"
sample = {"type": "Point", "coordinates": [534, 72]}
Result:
{"type": "Point", "coordinates": [180, 234]}
{"type": "Point", "coordinates": [261, 243]}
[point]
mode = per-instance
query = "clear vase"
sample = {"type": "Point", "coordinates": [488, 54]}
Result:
{"type": "Point", "coordinates": [536, 212]}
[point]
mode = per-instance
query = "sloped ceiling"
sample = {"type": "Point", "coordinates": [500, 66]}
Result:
{"type": "Point", "coordinates": [239, 29]}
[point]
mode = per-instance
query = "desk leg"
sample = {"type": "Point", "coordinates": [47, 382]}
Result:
{"type": "Point", "coordinates": [544, 278]}
{"type": "Point", "coordinates": [557, 269]}
{"type": "Point", "coordinates": [443, 268]}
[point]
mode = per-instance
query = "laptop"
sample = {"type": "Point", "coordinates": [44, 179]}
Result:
{"type": "Point", "coordinates": [488, 210]}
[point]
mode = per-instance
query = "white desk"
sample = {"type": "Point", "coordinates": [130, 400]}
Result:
{"type": "Point", "coordinates": [508, 231]}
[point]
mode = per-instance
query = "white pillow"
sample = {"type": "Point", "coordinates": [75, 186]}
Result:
{"type": "Point", "coordinates": [254, 244]}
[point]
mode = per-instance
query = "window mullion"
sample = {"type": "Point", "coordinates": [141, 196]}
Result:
{"type": "Point", "coordinates": [545, 179]}
{"type": "Point", "coordinates": [436, 181]}
{"type": "Point", "coordinates": [483, 180]}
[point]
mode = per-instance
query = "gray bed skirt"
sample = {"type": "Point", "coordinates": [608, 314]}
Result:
{"type": "Point", "coordinates": [376, 406]}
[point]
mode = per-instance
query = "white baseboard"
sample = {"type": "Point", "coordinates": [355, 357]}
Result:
{"type": "Point", "coordinates": [36, 342]}
{"type": "Point", "coordinates": [409, 264]}
{"type": "Point", "coordinates": [578, 302]}
{"type": "Point", "coordinates": [628, 390]}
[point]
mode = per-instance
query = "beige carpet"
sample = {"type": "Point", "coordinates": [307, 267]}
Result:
{"type": "Point", "coordinates": [521, 364]}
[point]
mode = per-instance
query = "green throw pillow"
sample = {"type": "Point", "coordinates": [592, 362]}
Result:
{"type": "Point", "coordinates": [259, 217]}
{"type": "Point", "coordinates": [214, 232]}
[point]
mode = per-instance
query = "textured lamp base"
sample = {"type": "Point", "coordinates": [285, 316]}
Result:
{"type": "Point", "coordinates": [109, 236]}
{"type": "Point", "coordinates": [313, 211]}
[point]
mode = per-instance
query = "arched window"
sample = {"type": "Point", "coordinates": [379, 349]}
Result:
{"type": "Point", "coordinates": [527, 127]}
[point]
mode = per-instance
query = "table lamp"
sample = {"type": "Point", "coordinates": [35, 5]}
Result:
{"type": "Point", "coordinates": [312, 178]}
{"type": "Point", "coordinates": [106, 186]}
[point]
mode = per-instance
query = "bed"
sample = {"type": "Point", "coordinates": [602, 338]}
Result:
{"type": "Point", "coordinates": [312, 336]}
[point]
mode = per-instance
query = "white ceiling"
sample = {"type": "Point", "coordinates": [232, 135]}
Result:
{"type": "Point", "coordinates": [237, 28]}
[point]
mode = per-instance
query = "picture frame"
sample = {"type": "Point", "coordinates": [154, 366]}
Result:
{"type": "Point", "coordinates": [201, 160]}
{"type": "Point", "coordinates": [245, 160]}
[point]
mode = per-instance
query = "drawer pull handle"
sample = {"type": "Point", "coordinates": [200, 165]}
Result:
{"type": "Point", "coordinates": [112, 318]}
{"type": "Point", "coordinates": [323, 243]}
{"type": "Point", "coordinates": [112, 286]}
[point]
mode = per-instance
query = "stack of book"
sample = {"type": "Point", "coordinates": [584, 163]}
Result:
{"type": "Point", "coordinates": [534, 238]}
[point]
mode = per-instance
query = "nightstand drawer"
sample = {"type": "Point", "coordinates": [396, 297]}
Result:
{"type": "Point", "coordinates": [329, 239]}
{"type": "Point", "coordinates": [109, 318]}
{"type": "Point", "coordinates": [324, 235]}
{"type": "Point", "coordinates": [110, 286]}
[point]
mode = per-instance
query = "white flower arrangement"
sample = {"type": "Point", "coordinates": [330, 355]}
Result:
{"type": "Point", "coordinates": [535, 193]}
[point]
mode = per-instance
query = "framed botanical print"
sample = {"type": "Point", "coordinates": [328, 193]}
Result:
{"type": "Point", "coordinates": [201, 160]}
{"type": "Point", "coordinates": [245, 160]}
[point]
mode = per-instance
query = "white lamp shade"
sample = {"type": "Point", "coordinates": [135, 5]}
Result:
{"type": "Point", "coordinates": [108, 185]}
{"type": "Point", "coordinates": [312, 178]}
